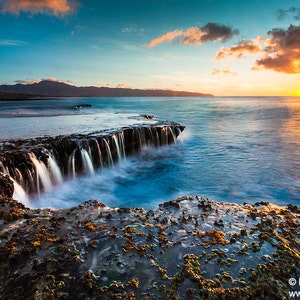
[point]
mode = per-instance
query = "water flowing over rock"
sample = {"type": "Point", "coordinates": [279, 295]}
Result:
{"type": "Point", "coordinates": [38, 164]}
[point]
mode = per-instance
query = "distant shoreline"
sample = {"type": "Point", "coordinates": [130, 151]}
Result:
{"type": "Point", "coordinates": [18, 97]}
{"type": "Point", "coordinates": [21, 97]}
{"type": "Point", "coordinates": [50, 89]}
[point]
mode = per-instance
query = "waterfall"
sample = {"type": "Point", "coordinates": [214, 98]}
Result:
{"type": "Point", "coordinates": [71, 164]}
{"type": "Point", "coordinates": [141, 137]}
{"type": "Point", "coordinates": [20, 194]}
{"type": "Point", "coordinates": [42, 174]}
{"type": "Point", "coordinates": [115, 139]}
{"type": "Point", "coordinates": [54, 170]}
{"type": "Point", "coordinates": [122, 144]}
{"type": "Point", "coordinates": [172, 135]}
{"type": "Point", "coordinates": [87, 162]}
{"type": "Point", "coordinates": [108, 152]}
{"type": "Point", "coordinates": [37, 165]}
{"type": "Point", "coordinates": [119, 143]}
{"type": "Point", "coordinates": [99, 153]}
{"type": "Point", "coordinates": [154, 136]}
{"type": "Point", "coordinates": [164, 136]}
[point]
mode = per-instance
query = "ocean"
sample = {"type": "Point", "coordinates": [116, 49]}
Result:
{"type": "Point", "coordinates": [233, 149]}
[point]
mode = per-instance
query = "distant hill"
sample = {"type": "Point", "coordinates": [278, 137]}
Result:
{"type": "Point", "coordinates": [16, 96]}
{"type": "Point", "coordinates": [49, 88]}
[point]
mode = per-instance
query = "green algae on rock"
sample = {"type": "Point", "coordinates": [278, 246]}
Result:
{"type": "Point", "coordinates": [176, 251]}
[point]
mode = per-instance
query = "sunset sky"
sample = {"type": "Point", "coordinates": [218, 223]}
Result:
{"type": "Point", "coordinates": [231, 47]}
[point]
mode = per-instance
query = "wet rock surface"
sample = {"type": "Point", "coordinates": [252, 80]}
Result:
{"type": "Point", "coordinates": [187, 248]}
{"type": "Point", "coordinates": [6, 187]}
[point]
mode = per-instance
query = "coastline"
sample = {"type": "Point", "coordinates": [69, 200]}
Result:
{"type": "Point", "coordinates": [48, 88]}
{"type": "Point", "coordinates": [188, 247]}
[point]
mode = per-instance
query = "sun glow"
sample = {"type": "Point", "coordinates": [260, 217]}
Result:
{"type": "Point", "coordinates": [296, 92]}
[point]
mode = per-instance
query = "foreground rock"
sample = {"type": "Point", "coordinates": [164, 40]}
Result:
{"type": "Point", "coordinates": [187, 248]}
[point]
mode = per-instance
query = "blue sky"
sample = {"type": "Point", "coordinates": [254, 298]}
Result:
{"type": "Point", "coordinates": [228, 47]}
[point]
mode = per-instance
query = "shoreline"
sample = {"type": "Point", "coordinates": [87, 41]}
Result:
{"type": "Point", "coordinates": [188, 247]}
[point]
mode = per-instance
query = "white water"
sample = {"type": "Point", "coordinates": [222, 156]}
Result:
{"type": "Point", "coordinates": [54, 170]}
{"type": "Point", "coordinates": [109, 155]}
{"type": "Point", "coordinates": [43, 176]}
{"type": "Point", "coordinates": [87, 162]}
{"type": "Point", "coordinates": [71, 164]}
{"type": "Point", "coordinates": [119, 143]}
{"type": "Point", "coordinates": [99, 153]}
{"type": "Point", "coordinates": [20, 194]}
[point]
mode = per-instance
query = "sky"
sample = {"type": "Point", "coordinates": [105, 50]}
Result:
{"type": "Point", "coordinates": [227, 48]}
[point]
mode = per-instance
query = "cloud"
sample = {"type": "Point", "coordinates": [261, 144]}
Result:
{"type": "Point", "coordinates": [133, 28]}
{"type": "Point", "coordinates": [169, 36]}
{"type": "Point", "coordinates": [224, 71]}
{"type": "Point", "coordinates": [123, 86]}
{"type": "Point", "coordinates": [96, 47]}
{"type": "Point", "coordinates": [55, 7]}
{"type": "Point", "coordinates": [210, 32]}
{"type": "Point", "coordinates": [197, 35]}
{"type": "Point", "coordinates": [57, 80]}
{"type": "Point", "coordinates": [278, 52]}
{"type": "Point", "coordinates": [102, 84]}
{"type": "Point", "coordinates": [11, 43]}
{"type": "Point", "coordinates": [27, 81]}
{"type": "Point", "coordinates": [283, 13]}
{"type": "Point", "coordinates": [282, 52]}
{"type": "Point", "coordinates": [242, 48]}
{"type": "Point", "coordinates": [31, 81]}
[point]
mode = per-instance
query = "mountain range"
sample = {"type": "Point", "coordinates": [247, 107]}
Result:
{"type": "Point", "coordinates": [48, 88]}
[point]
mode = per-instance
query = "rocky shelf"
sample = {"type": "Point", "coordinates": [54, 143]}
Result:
{"type": "Point", "coordinates": [36, 165]}
{"type": "Point", "coordinates": [186, 248]}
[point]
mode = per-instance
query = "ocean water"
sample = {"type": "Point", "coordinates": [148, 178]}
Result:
{"type": "Point", "coordinates": [234, 149]}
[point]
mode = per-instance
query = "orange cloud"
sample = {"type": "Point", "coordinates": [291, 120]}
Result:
{"type": "Point", "coordinates": [279, 52]}
{"type": "Point", "coordinates": [242, 48]}
{"type": "Point", "coordinates": [209, 32]}
{"type": "Point", "coordinates": [283, 51]}
{"type": "Point", "coordinates": [197, 35]}
{"type": "Point", "coordinates": [31, 81]}
{"type": "Point", "coordinates": [102, 84]}
{"type": "Point", "coordinates": [192, 36]}
{"type": "Point", "coordinates": [57, 80]}
{"type": "Point", "coordinates": [55, 7]}
{"type": "Point", "coordinates": [224, 71]}
{"type": "Point", "coordinates": [123, 85]}
{"type": "Point", "coordinates": [169, 36]}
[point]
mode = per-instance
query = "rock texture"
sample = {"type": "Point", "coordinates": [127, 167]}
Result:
{"type": "Point", "coordinates": [187, 248]}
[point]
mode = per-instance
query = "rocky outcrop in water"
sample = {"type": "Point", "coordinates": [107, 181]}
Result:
{"type": "Point", "coordinates": [37, 164]}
